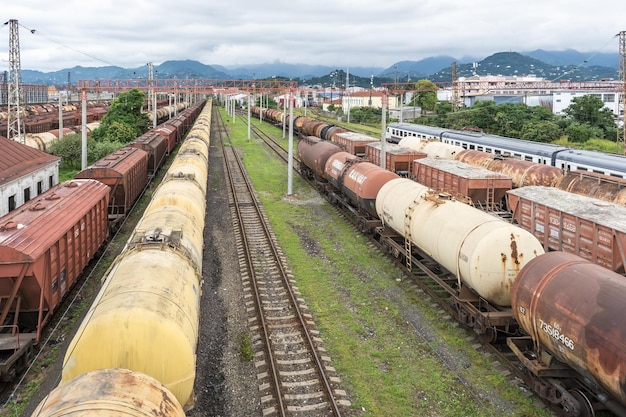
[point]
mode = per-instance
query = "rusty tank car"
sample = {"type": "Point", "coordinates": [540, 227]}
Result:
{"type": "Point", "coordinates": [573, 312]}
{"type": "Point", "coordinates": [313, 153]}
{"type": "Point", "coordinates": [358, 180]}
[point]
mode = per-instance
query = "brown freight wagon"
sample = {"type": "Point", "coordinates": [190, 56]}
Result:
{"type": "Point", "coordinates": [156, 147]}
{"type": "Point", "coordinates": [397, 158]}
{"type": "Point", "coordinates": [590, 228]}
{"type": "Point", "coordinates": [44, 246]}
{"type": "Point", "coordinates": [483, 187]}
{"type": "Point", "coordinates": [170, 134]}
{"type": "Point", "coordinates": [126, 172]}
{"type": "Point", "coordinates": [353, 142]}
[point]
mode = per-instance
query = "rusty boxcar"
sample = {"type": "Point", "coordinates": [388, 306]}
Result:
{"type": "Point", "coordinates": [170, 134]}
{"type": "Point", "coordinates": [590, 228]}
{"type": "Point", "coordinates": [397, 158]}
{"type": "Point", "coordinates": [126, 172]}
{"type": "Point", "coordinates": [353, 142]}
{"type": "Point", "coordinates": [482, 187]}
{"type": "Point", "coordinates": [573, 312]}
{"type": "Point", "coordinates": [44, 247]}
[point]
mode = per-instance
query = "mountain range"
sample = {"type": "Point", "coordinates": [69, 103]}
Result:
{"type": "Point", "coordinates": [552, 65]}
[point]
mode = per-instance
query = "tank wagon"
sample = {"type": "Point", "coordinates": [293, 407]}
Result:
{"type": "Point", "coordinates": [482, 251]}
{"type": "Point", "coordinates": [575, 352]}
{"type": "Point", "coordinates": [121, 392]}
{"type": "Point", "coordinates": [563, 158]}
{"type": "Point", "coordinates": [432, 148]}
{"type": "Point", "coordinates": [478, 186]}
{"type": "Point", "coordinates": [357, 181]}
{"type": "Point", "coordinates": [44, 246]}
{"type": "Point", "coordinates": [590, 228]}
{"type": "Point", "coordinates": [125, 171]}
{"type": "Point", "coordinates": [313, 154]}
{"type": "Point", "coordinates": [145, 317]}
{"type": "Point", "coordinates": [592, 184]}
{"type": "Point", "coordinates": [523, 173]}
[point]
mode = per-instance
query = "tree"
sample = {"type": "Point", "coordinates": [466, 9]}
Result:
{"type": "Point", "coordinates": [590, 110]}
{"type": "Point", "coordinates": [124, 110]}
{"type": "Point", "coordinates": [582, 132]}
{"type": "Point", "coordinates": [425, 95]}
{"type": "Point", "coordinates": [541, 131]}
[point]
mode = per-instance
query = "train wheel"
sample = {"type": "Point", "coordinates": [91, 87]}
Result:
{"type": "Point", "coordinates": [584, 409]}
{"type": "Point", "coordinates": [489, 335]}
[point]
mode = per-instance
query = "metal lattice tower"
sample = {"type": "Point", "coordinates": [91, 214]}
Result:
{"type": "Point", "coordinates": [622, 89]}
{"type": "Point", "coordinates": [15, 83]}
{"type": "Point", "coordinates": [150, 86]}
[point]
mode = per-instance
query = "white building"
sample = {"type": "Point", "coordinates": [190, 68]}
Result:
{"type": "Point", "coordinates": [25, 173]}
{"type": "Point", "coordinates": [563, 99]}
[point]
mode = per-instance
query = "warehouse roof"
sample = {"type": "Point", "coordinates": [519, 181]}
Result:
{"type": "Point", "coordinates": [18, 160]}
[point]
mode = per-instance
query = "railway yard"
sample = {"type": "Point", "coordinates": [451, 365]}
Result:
{"type": "Point", "coordinates": [306, 305]}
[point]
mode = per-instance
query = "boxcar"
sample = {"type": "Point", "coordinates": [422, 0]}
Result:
{"type": "Point", "coordinates": [397, 158]}
{"type": "Point", "coordinates": [156, 147]}
{"type": "Point", "coordinates": [44, 246]}
{"type": "Point", "coordinates": [170, 133]}
{"type": "Point", "coordinates": [353, 143]}
{"type": "Point", "coordinates": [126, 172]}
{"type": "Point", "coordinates": [481, 186]}
{"type": "Point", "coordinates": [590, 228]}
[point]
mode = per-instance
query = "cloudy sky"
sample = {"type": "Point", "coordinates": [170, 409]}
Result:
{"type": "Point", "coordinates": [344, 33]}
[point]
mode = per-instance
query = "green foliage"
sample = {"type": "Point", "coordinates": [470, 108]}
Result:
{"type": "Point", "coordinates": [589, 110]}
{"type": "Point", "coordinates": [425, 95]}
{"type": "Point", "coordinates": [70, 150]}
{"type": "Point", "coordinates": [124, 121]}
{"type": "Point", "coordinates": [365, 115]}
{"type": "Point", "coordinates": [586, 120]}
{"type": "Point", "coordinates": [542, 131]}
{"type": "Point", "coordinates": [582, 132]}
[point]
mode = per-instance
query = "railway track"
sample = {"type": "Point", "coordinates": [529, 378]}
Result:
{"type": "Point", "coordinates": [295, 374]}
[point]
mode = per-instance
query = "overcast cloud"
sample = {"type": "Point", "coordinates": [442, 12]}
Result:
{"type": "Point", "coordinates": [343, 33]}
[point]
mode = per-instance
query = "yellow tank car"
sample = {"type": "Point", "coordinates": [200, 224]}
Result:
{"type": "Point", "coordinates": [110, 392]}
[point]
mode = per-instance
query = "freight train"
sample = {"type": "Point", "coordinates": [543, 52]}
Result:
{"type": "Point", "coordinates": [569, 336]}
{"type": "Point", "coordinates": [46, 243]}
{"type": "Point", "coordinates": [138, 340]}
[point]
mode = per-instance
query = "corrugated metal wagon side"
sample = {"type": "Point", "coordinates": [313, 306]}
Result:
{"type": "Point", "coordinates": [126, 172]}
{"type": "Point", "coordinates": [44, 247]}
{"type": "Point", "coordinates": [590, 228]}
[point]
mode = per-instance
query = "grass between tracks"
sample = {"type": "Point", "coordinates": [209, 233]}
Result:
{"type": "Point", "coordinates": [361, 303]}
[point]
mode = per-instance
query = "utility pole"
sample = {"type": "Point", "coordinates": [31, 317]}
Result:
{"type": "Point", "coordinates": [69, 89]}
{"type": "Point", "coordinates": [621, 133]}
{"type": "Point", "coordinates": [150, 85]}
{"type": "Point", "coordinates": [455, 88]}
{"type": "Point", "coordinates": [15, 83]}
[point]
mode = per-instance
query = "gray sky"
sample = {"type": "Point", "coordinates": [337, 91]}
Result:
{"type": "Point", "coordinates": [344, 33]}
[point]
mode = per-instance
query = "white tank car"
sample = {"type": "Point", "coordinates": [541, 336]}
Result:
{"type": "Point", "coordinates": [484, 252]}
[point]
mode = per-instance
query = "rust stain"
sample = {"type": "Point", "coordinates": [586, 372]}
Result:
{"type": "Point", "coordinates": [514, 253]}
